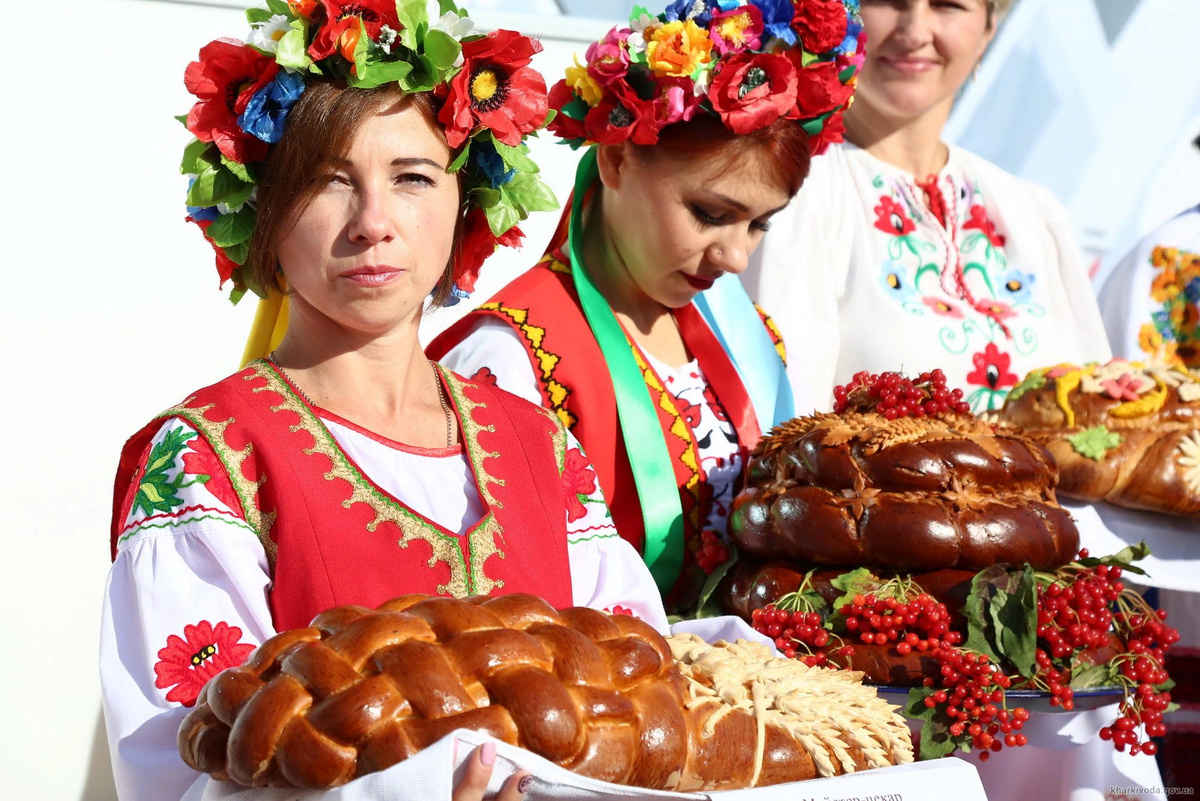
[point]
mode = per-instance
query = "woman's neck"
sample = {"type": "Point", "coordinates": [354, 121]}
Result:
{"type": "Point", "coordinates": [913, 145]}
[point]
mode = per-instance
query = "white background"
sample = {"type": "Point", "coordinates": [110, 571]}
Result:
{"type": "Point", "coordinates": [112, 313]}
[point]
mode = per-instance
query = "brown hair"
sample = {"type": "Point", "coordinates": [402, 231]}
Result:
{"type": "Point", "coordinates": [783, 146]}
{"type": "Point", "coordinates": [321, 127]}
{"type": "Point", "coordinates": [997, 9]}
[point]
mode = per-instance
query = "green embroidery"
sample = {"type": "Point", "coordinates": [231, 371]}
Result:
{"type": "Point", "coordinates": [1035, 380]}
{"type": "Point", "coordinates": [180, 522]}
{"type": "Point", "coordinates": [611, 534]}
{"type": "Point", "coordinates": [1094, 443]}
{"type": "Point", "coordinates": [158, 490]}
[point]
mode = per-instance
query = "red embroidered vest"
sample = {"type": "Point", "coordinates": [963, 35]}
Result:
{"type": "Point", "coordinates": [333, 537]}
{"type": "Point", "coordinates": [542, 306]}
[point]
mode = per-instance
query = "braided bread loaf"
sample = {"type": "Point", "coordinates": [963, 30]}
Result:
{"type": "Point", "coordinates": [1121, 432]}
{"type": "Point", "coordinates": [359, 691]}
{"type": "Point", "coordinates": [909, 494]}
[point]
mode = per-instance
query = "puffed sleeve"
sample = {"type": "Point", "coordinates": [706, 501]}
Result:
{"type": "Point", "coordinates": [607, 573]}
{"type": "Point", "coordinates": [186, 597]}
{"type": "Point", "coordinates": [492, 352]}
{"type": "Point", "coordinates": [798, 274]}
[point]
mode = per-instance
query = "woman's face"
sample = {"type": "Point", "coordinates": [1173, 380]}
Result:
{"type": "Point", "coordinates": [375, 240]}
{"type": "Point", "coordinates": [679, 224]}
{"type": "Point", "coordinates": [919, 52]}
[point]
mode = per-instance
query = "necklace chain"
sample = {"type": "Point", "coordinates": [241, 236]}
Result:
{"type": "Point", "coordinates": [437, 380]}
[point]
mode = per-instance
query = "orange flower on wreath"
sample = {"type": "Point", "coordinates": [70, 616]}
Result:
{"type": "Point", "coordinates": [676, 49]}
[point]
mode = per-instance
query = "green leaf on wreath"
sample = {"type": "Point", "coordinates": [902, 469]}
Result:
{"type": "Point", "coordinates": [501, 217]}
{"type": "Point", "coordinates": [442, 49]}
{"type": "Point", "coordinates": [191, 155]}
{"type": "Point", "coordinates": [279, 7]}
{"type": "Point", "coordinates": [293, 48]}
{"type": "Point", "coordinates": [529, 193]}
{"type": "Point", "coordinates": [1095, 442]}
{"type": "Point", "coordinates": [461, 158]}
{"type": "Point", "coordinates": [257, 15]}
{"type": "Point", "coordinates": [233, 229]}
{"type": "Point", "coordinates": [410, 14]}
{"type": "Point", "coordinates": [377, 73]}
{"type": "Point", "coordinates": [242, 171]}
{"type": "Point", "coordinates": [515, 157]}
{"type": "Point", "coordinates": [238, 254]}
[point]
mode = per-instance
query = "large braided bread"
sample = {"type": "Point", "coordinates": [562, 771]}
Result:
{"type": "Point", "coordinates": [359, 691]}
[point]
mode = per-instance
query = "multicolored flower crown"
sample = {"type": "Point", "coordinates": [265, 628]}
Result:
{"type": "Point", "coordinates": [748, 63]}
{"type": "Point", "coordinates": [491, 99]}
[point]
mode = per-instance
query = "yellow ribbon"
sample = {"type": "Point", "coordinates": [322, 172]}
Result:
{"type": "Point", "coordinates": [269, 326]}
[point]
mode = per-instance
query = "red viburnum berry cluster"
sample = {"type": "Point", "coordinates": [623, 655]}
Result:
{"type": "Point", "coordinates": [972, 697]}
{"type": "Point", "coordinates": [920, 624]}
{"type": "Point", "coordinates": [796, 633]}
{"type": "Point", "coordinates": [712, 554]}
{"type": "Point", "coordinates": [893, 395]}
{"type": "Point", "coordinates": [1147, 637]}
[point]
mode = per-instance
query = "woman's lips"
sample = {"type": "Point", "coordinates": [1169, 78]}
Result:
{"type": "Point", "coordinates": [375, 275]}
{"type": "Point", "coordinates": [698, 282]}
{"type": "Point", "coordinates": [909, 65]}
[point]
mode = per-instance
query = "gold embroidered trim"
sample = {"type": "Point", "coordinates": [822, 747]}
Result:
{"type": "Point", "coordinates": [559, 436]}
{"type": "Point", "coordinates": [481, 542]}
{"type": "Point", "coordinates": [471, 431]}
{"type": "Point", "coordinates": [247, 490]}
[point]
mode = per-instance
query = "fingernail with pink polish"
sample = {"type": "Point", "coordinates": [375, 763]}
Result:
{"type": "Point", "coordinates": [523, 785]}
{"type": "Point", "coordinates": [487, 754]}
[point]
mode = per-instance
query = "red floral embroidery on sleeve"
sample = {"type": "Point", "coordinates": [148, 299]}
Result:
{"type": "Point", "coordinates": [484, 376]}
{"type": "Point", "coordinates": [891, 218]}
{"type": "Point", "coordinates": [579, 482]}
{"type": "Point", "coordinates": [201, 461]}
{"type": "Point", "coordinates": [979, 221]}
{"type": "Point", "coordinates": [203, 652]}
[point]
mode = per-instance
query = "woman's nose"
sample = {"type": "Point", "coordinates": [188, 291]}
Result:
{"type": "Point", "coordinates": [730, 254]}
{"type": "Point", "coordinates": [914, 24]}
{"type": "Point", "coordinates": [372, 220]}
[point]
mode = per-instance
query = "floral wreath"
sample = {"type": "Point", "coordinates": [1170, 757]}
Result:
{"type": "Point", "coordinates": [491, 100]}
{"type": "Point", "coordinates": [749, 64]}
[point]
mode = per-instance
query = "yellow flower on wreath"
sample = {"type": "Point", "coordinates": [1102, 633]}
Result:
{"type": "Point", "coordinates": [677, 48]}
{"type": "Point", "coordinates": [584, 85]}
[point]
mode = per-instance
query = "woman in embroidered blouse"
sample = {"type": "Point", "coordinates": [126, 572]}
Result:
{"type": "Point", "coordinates": [905, 253]}
{"type": "Point", "coordinates": [348, 468]}
{"type": "Point", "coordinates": [666, 381]}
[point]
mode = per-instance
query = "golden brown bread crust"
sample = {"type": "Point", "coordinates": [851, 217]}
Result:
{"type": "Point", "coordinates": [908, 494]}
{"type": "Point", "coordinates": [359, 691]}
{"type": "Point", "coordinates": [1150, 414]}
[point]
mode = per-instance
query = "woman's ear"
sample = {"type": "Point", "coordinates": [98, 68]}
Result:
{"type": "Point", "coordinates": [613, 161]}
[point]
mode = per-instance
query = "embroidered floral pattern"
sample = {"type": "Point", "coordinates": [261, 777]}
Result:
{"type": "Point", "coordinates": [160, 480]}
{"type": "Point", "coordinates": [1173, 335]}
{"type": "Point", "coordinates": [579, 484]}
{"type": "Point", "coordinates": [200, 461]}
{"type": "Point", "coordinates": [956, 276]}
{"type": "Point", "coordinates": [187, 662]}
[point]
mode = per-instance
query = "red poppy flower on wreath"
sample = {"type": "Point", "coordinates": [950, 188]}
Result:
{"type": "Point", "coordinates": [622, 115]}
{"type": "Point", "coordinates": [891, 218]}
{"type": "Point", "coordinates": [497, 89]}
{"type": "Point", "coordinates": [189, 661]}
{"type": "Point", "coordinates": [979, 221]}
{"type": "Point", "coordinates": [225, 265]}
{"type": "Point", "coordinates": [579, 482]}
{"type": "Point", "coordinates": [820, 24]}
{"type": "Point", "coordinates": [478, 243]}
{"type": "Point", "coordinates": [342, 29]}
{"type": "Point", "coordinates": [752, 90]}
{"type": "Point", "coordinates": [225, 78]}
{"type": "Point", "coordinates": [818, 88]}
{"type": "Point", "coordinates": [200, 460]}
{"type": "Point", "coordinates": [991, 369]}
{"type": "Point", "coordinates": [563, 126]}
{"type": "Point", "coordinates": [831, 133]}
{"type": "Point", "coordinates": [943, 307]}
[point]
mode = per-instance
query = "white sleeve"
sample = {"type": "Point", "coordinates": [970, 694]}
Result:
{"type": "Point", "coordinates": [1080, 295]}
{"type": "Point", "coordinates": [797, 275]}
{"type": "Point", "coordinates": [186, 597]}
{"type": "Point", "coordinates": [607, 573]}
{"type": "Point", "coordinates": [493, 346]}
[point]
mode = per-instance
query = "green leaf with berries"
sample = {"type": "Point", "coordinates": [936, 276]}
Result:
{"type": "Point", "coordinates": [1001, 612]}
{"type": "Point", "coordinates": [1123, 558]}
{"type": "Point", "coordinates": [857, 582]}
{"type": "Point", "coordinates": [936, 739]}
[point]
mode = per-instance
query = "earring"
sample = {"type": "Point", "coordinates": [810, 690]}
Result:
{"type": "Point", "coordinates": [975, 72]}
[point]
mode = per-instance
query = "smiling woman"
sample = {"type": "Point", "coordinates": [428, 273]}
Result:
{"type": "Point", "coordinates": [345, 468]}
{"type": "Point", "coordinates": [633, 327]}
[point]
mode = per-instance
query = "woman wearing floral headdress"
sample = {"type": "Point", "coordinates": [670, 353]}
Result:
{"type": "Point", "coordinates": [962, 266]}
{"type": "Point", "coordinates": [331, 153]}
{"type": "Point", "coordinates": [633, 328]}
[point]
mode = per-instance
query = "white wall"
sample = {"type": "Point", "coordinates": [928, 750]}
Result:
{"type": "Point", "coordinates": [112, 311]}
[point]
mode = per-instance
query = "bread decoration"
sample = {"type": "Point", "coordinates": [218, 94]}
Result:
{"type": "Point", "coordinates": [360, 690]}
{"type": "Point", "coordinates": [916, 486]}
{"type": "Point", "coordinates": [1122, 432]}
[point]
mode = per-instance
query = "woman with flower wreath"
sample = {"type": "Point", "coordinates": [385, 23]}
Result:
{"type": "Point", "coordinates": [331, 157]}
{"type": "Point", "coordinates": [633, 328]}
{"type": "Point", "coordinates": [903, 251]}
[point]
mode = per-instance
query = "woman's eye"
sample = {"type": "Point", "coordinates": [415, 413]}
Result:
{"type": "Point", "coordinates": [414, 178]}
{"type": "Point", "coordinates": [704, 217]}
{"type": "Point", "coordinates": [761, 225]}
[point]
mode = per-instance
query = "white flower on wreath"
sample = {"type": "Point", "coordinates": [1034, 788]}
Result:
{"type": "Point", "coordinates": [449, 23]}
{"type": "Point", "coordinates": [701, 82]}
{"type": "Point", "coordinates": [636, 41]}
{"type": "Point", "coordinates": [266, 35]}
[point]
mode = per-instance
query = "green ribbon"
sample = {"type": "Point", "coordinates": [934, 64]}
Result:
{"type": "Point", "coordinates": [653, 473]}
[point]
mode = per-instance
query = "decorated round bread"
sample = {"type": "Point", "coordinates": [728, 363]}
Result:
{"type": "Point", "coordinates": [1122, 432]}
{"type": "Point", "coordinates": [927, 493]}
{"type": "Point", "coordinates": [604, 696]}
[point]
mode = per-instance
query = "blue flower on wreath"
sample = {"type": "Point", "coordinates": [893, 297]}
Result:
{"type": "Point", "coordinates": [487, 161]}
{"type": "Point", "coordinates": [777, 18]}
{"type": "Point", "coordinates": [698, 11]}
{"type": "Point", "coordinates": [202, 213]}
{"type": "Point", "coordinates": [850, 43]}
{"type": "Point", "coordinates": [1017, 286]}
{"type": "Point", "coordinates": [268, 108]}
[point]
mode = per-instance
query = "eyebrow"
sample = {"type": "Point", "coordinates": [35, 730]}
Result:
{"type": "Point", "coordinates": [400, 162]}
{"type": "Point", "coordinates": [742, 207]}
